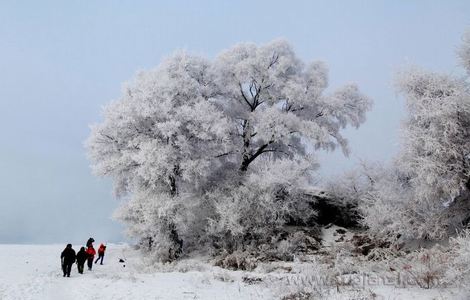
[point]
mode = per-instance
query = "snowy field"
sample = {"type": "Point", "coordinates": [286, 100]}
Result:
{"type": "Point", "coordinates": [33, 272]}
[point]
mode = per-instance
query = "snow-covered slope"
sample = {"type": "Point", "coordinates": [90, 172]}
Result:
{"type": "Point", "coordinates": [33, 272]}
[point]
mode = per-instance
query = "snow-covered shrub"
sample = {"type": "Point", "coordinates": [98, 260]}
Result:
{"type": "Point", "coordinates": [393, 211]}
{"type": "Point", "coordinates": [312, 280]}
{"type": "Point", "coordinates": [352, 293]}
{"type": "Point", "coordinates": [237, 260]}
{"type": "Point", "coordinates": [385, 208]}
{"type": "Point", "coordinates": [302, 242]}
{"type": "Point", "coordinates": [285, 249]}
{"type": "Point", "coordinates": [349, 192]}
{"type": "Point", "coordinates": [427, 267]}
{"type": "Point", "coordinates": [299, 295]}
{"type": "Point", "coordinates": [459, 247]}
{"type": "Point", "coordinates": [379, 197]}
{"type": "Point", "coordinates": [341, 278]}
{"type": "Point", "coordinates": [257, 210]}
{"type": "Point", "coordinates": [437, 266]}
{"type": "Point", "coordinates": [290, 245]}
{"type": "Point", "coordinates": [349, 188]}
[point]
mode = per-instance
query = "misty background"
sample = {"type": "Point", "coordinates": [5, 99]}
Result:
{"type": "Point", "coordinates": [61, 61]}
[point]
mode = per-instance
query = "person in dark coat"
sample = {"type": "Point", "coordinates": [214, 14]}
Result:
{"type": "Point", "coordinates": [101, 251]}
{"type": "Point", "coordinates": [90, 242]}
{"type": "Point", "coordinates": [68, 258]}
{"type": "Point", "coordinates": [81, 258]}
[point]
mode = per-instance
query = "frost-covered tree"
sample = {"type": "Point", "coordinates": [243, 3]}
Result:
{"type": "Point", "coordinates": [157, 140]}
{"type": "Point", "coordinates": [277, 105]}
{"type": "Point", "coordinates": [204, 149]}
{"type": "Point", "coordinates": [436, 150]}
{"type": "Point", "coordinates": [426, 193]}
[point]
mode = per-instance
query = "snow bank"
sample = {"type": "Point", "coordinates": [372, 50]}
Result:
{"type": "Point", "coordinates": [30, 272]}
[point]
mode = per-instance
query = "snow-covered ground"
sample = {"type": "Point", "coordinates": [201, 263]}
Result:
{"type": "Point", "coordinates": [33, 272]}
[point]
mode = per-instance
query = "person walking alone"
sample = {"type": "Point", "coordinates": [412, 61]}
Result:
{"type": "Point", "coordinates": [67, 258]}
{"type": "Point", "coordinates": [101, 251]}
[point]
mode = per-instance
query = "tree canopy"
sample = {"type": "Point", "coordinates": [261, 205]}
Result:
{"type": "Point", "coordinates": [198, 144]}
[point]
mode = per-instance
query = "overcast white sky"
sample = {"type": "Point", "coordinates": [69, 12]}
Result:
{"type": "Point", "coordinates": [61, 61]}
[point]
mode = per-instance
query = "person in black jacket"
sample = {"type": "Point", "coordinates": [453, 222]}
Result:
{"type": "Point", "coordinates": [90, 242]}
{"type": "Point", "coordinates": [81, 258]}
{"type": "Point", "coordinates": [68, 258]}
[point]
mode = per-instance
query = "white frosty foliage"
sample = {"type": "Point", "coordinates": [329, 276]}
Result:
{"type": "Point", "coordinates": [464, 51]}
{"type": "Point", "coordinates": [426, 192]}
{"type": "Point", "coordinates": [206, 150]}
{"type": "Point", "coordinates": [437, 134]}
{"type": "Point", "coordinates": [160, 130]}
{"type": "Point", "coordinates": [435, 160]}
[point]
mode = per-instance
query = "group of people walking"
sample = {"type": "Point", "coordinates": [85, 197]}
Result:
{"type": "Point", "coordinates": [69, 257]}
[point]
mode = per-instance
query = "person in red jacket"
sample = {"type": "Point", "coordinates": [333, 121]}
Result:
{"type": "Point", "coordinates": [101, 251]}
{"type": "Point", "coordinates": [91, 255]}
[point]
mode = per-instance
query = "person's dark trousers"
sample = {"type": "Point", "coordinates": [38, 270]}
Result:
{"type": "Point", "coordinates": [80, 267]}
{"type": "Point", "coordinates": [100, 256]}
{"type": "Point", "coordinates": [90, 263]}
{"type": "Point", "coordinates": [67, 268]}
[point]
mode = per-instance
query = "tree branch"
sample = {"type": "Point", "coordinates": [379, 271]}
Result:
{"type": "Point", "coordinates": [274, 60]}
{"type": "Point", "coordinates": [224, 154]}
{"type": "Point", "coordinates": [248, 160]}
{"type": "Point", "coordinates": [244, 97]}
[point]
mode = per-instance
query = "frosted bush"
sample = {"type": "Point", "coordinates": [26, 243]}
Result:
{"type": "Point", "coordinates": [459, 274]}
{"type": "Point", "coordinates": [238, 260]}
{"type": "Point", "coordinates": [312, 280]}
{"type": "Point", "coordinates": [427, 267]}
